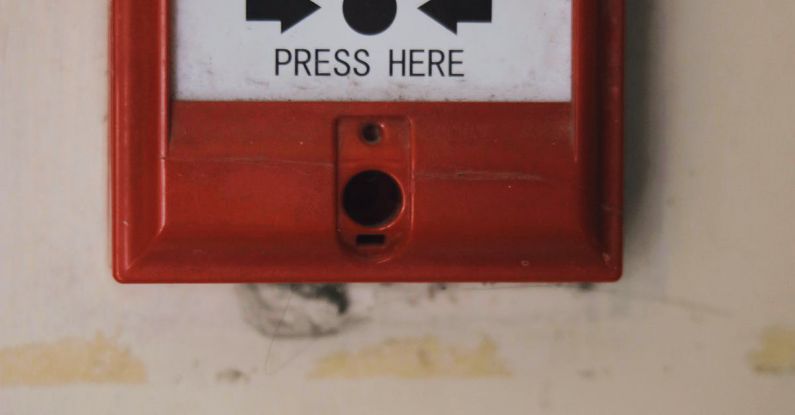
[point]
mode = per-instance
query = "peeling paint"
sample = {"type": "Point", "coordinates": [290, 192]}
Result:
{"type": "Point", "coordinates": [294, 310]}
{"type": "Point", "coordinates": [414, 358]}
{"type": "Point", "coordinates": [70, 361]}
{"type": "Point", "coordinates": [777, 352]}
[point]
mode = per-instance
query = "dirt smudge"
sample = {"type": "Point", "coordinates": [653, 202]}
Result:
{"type": "Point", "coordinates": [232, 376]}
{"type": "Point", "coordinates": [414, 358]}
{"type": "Point", "coordinates": [70, 361]}
{"type": "Point", "coordinates": [776, 354]}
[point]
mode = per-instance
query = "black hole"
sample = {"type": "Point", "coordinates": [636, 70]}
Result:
{"type": "Point", "coordinates": [370, 240]}
{"type": "Point", "coordinates": [372, 133]}
{"type": "Point", "coordinates": [372, 198]}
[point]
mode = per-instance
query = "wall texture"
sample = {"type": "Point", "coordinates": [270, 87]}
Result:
{"type": "Point", "coordinates": [704, 321]}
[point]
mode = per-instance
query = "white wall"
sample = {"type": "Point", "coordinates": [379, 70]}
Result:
{"type": "Point", "coordinates": [703, 322]}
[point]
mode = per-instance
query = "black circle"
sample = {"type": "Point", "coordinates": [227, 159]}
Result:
{"type": "Point", "coordinates": [372, 133]}
{"type": "Point", "coordinates": [372, 198]}
{"type": "Point", "coordinates": [369, 17]}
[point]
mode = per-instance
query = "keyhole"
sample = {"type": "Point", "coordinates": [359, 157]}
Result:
{"type": "Point", "coordinates": [369, 17]}
{"type": "Point", "coordinates": [372, 198]}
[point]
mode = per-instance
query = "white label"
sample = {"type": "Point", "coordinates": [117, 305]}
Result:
{"type": "Point", "coordinates": [374, 50]}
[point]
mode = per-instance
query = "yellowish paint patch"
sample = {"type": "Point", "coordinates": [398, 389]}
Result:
{"type": "Point", "coordinates": [414, 358]}
{"type": "Point", "coordinates": [777, 354]}
{"type": "Point", "coordinates": [69, 361]}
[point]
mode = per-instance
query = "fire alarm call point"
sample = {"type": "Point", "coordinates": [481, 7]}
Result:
{"type": "Point", "coordinates": [366, 140]}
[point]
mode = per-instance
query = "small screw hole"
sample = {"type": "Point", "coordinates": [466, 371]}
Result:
{"type": "Point", "coordinates": [372, 133]}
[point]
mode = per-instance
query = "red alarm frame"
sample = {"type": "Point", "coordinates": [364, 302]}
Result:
{"type": "Point", "coordinates": [245, 192]}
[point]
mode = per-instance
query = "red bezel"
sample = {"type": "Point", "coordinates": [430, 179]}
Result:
{"type": "Point", "coordinates": [247, 191]}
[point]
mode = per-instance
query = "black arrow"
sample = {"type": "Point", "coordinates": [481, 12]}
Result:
{"type": "Point", "coordinates": [449, 13]}
{"type": "Point", "coordinates": [288, 12]}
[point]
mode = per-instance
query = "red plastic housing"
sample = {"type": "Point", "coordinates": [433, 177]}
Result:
{"type": "Point", "coordinates": [252, 191]}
